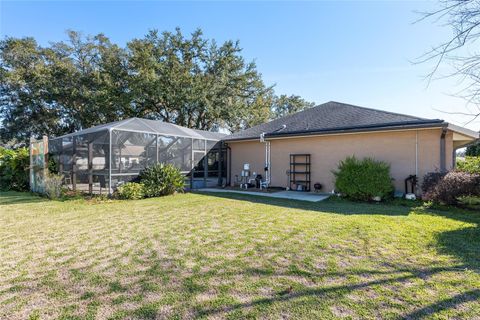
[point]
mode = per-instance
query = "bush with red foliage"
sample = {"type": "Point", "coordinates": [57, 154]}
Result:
{"type": "Point", "coordinates": [430, 181]}
{"type": "Point", "coordinates": [452, 186]}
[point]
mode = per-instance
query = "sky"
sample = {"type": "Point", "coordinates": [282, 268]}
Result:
{"type": "Point", "coordinates": [357, 52]}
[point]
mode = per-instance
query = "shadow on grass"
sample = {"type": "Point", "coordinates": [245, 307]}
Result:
{"type": "Point", "coordinates": [445, 304]}
{"type": "Point", "coordinates": [16, 197]}
{"type": "Point", "coordinates": [463, 244]}
{"type": "Point", "coordinates": [156, 269]}
{"type": "Point", "coordinates": [330, 205]}
{"type": "Point", "coordinates": [13, 197]}
{"type": "Point", "coordinates": [157, 272]}
{"type": "Point", "coordinates": [334, 292]}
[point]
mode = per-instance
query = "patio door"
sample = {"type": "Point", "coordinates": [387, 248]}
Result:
{"type": "Point", "coordinates": [199, 173]}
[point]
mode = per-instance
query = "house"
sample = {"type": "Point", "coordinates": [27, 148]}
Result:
{"type": "Point", "coordinates": [295, 151]}
{"type": "Point", "coordinates": [332, 131]}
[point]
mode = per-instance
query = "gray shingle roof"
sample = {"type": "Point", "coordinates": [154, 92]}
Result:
{"type": "Point", "coordinates": [330, 117]}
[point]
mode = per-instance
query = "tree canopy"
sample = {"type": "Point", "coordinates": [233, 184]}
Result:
{"type": "Point", "coordinates": [473, 150]}
{"type": "Point", "coordinates": [88, 80]}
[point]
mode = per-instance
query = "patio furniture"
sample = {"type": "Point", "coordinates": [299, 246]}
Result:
{"type": "Point", "coordinates": [264, 185]}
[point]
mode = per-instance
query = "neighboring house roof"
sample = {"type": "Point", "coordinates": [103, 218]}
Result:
{"type": "Point", "coordinates": [150, 126]}
{"type": "Point", "coordinates": [335, 117]}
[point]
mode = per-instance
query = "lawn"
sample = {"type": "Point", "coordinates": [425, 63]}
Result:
{"type": "Point", "coordinates": [235, 256]}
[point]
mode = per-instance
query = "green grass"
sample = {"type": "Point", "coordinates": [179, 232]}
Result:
{"type": "Point", "coordinates": [235, 256]}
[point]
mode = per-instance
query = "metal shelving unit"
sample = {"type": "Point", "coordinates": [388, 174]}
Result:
{"type": "Point", "coordinates": [300, 166]}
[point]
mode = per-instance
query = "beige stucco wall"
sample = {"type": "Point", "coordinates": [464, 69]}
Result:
{"type": "Point", "coordinates": [396, 148]}
{"type": "Point", "coordinates": [252, 152]}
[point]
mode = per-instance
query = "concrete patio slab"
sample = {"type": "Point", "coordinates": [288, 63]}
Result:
{"type": "Point", "coordinates": [291, 195]}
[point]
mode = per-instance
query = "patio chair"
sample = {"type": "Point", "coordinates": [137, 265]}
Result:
{"type": "Point", "coordinates": [264, 184]}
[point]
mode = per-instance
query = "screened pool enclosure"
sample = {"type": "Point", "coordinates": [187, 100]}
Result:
{"type": "Point", "coordinates": [99, 159]}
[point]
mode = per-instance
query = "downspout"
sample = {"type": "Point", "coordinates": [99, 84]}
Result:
{"type": "Point", "coordinates": [268, 169]}
{"type": "Point", "coordinates": [229, 166]}
{"type": "Point", "coordinates": [416, 153]}
{"type": "Point", "coordinates": [443, 143]}
{"type": "Point", "coordinates": [416, 163]}
{"type": "Point", "coordinates": [267, 158]}
{"type": "Point", "coordinates": [268, 164]}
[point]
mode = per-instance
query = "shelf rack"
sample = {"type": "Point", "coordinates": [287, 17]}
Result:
{"type": "Point", "coordinates": [300, 166]}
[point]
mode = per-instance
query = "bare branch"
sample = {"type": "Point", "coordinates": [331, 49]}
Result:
{"type": "Point", "coordinates": [463, 16]}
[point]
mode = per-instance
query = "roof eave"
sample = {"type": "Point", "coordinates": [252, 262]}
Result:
{"type": "Point", "coordinates": [436, 124]}
{"type": "Point", "coordinates": [464, 131]}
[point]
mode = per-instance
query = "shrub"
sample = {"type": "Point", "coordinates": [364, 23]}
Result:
{"type": "Point", "coordinates": [430, 181]}
{"type": "Point", "coordinates": [53, 185]}
{"type": "Point", "coordinates": [363, 179]}
{"type": "Point", "coordinates": [14, 169]}
{"type": "Point", "coordinates": [454, 186]}
{"type": "Point", "coordinates": [162, 179]}
{"type": "Point", "coordinates": [469, 164]}
{"type": "Point", "coordinates": [131, 191]}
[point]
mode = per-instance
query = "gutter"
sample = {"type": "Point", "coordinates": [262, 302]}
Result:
{"type": "Point", "coordinates": [393, 126]}
{"type": "Point", "coordinates": [345, 130]}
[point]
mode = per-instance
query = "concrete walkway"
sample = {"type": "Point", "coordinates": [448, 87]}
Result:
{"type": "Point", "coordinates": [292, 195]}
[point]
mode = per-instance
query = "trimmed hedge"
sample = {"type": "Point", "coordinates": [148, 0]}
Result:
{"type": "Point", "coordinates": [363, 179]}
